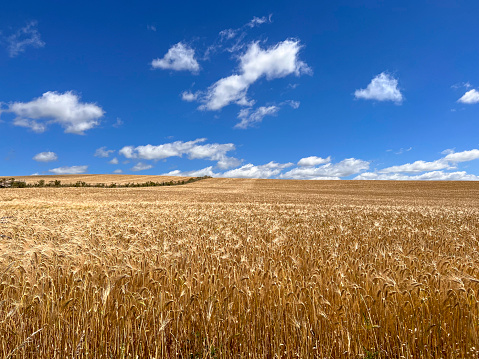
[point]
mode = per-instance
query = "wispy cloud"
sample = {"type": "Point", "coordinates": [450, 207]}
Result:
{"type": "Point", "coordinates": [257, 21]}
{"type": "Point", "coordinates": [249, 118]}
{"type": "Point", "coordinates": [232, 40]}
{"type": "Point", "coordinates": [102, 152]}
{"type": "Point", "coordinates": [274, 62]}
{"type": "Point", "coordinates": [27, 36]}
{"type": "Point", "coordinates": [140, 166]}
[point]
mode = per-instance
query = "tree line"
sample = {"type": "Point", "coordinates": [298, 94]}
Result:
{"type": "Point", "coordinates": [12, 183]}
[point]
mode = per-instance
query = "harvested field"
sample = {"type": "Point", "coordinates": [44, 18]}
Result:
{"type": "Point", "coordinates": [226, 268]}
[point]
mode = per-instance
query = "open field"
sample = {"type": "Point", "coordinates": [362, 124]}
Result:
{"type": "Point", "coordinates": [227, 268]}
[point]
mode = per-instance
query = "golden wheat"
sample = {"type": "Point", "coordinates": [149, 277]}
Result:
{"type": "Point", "coordinates": [226, 268]}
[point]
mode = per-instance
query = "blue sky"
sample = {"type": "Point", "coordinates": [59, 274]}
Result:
{"type": "Point", "coordinates": [270, 89]}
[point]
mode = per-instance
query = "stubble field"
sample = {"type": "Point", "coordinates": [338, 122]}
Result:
{"type": "Point", "coordinates": [225, 268]}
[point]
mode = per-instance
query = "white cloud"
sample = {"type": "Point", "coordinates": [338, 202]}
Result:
{"type": "Point", "coordinates": [238, 35]}
{"type": "Point", "coordinates": [45, 157]}
{"type": "Point", "coordinates": [462, 156]}
{"type": "Point", "coordinates": [102, 152]}
{"type": "Point", "coordinates": [140, 166]}
{"type": "Point", "coordinates": [213, 152]}
{"type": "Point", "coordinates": [400, 151]}
{"type": "Point", "coordinates": [114, 161]}
{"type": "Point", "coordinates": [313, 161]}
{"type": "Point", "coordinates": [180, 57]}
{"type": "Point", "coordinates": [275, 62]}
{"type": "Point", "coordinates": [35, 126]}
{"type": "Point", "coordinates": [251, 171]}
{"type": "Point", "coordinates": [53, 107]}
{"type": "Point", "coordinates": [72, 170]}
{"type": "Point", "coordinates": [428, 176]}
{"type": "Point", "coordinates": [189, 96]}
{"type": "Point", "coordinates": [418, 166]}
{"type": "Point", "coordinates": [257, 21]}
{"type": "Point", "coordinates": [383, 87]}
{"type": "Point", "coordinates": [447, 162]}
{"type": "Point", "coordinates": [248, 119]}
{"type": "Point", "coordinates": [447, 151]}
{"type": "Point", "coordinates": [294, 104]}
{"type": "Point", "coordinates": [346, 167]}
{"type": "Point", "coordinates": [23, 38]}
{"type": "Point", "coordinates": [118, 171]}
{"type": "Point", "coordinates": [318, 168]}
{"type": "Point", "coordinates": [470, 97]}
{"type": "Point", "coordinates": [208, 171]}
{"type": "Point", "coordinates": [228, 34]}
{"type": "Point", "coordinates": [118, 123]}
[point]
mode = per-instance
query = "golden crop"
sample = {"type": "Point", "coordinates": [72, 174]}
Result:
{"type": "Point", "coordinates": [225, 268]}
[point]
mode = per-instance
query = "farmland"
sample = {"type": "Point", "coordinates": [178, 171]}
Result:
{"type": "Point", "coordinates": [241, 268]}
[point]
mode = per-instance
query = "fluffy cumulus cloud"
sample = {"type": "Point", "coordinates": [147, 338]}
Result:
{"type": "Point", "coordinates": [53, 107]}
{"type": "Point", "coordinates": [463, 156]}
{"type": "Point", "coordinates": [45, 157]}
{"type": "Point", "coordinates": [428, 176]}
{"type": "Point", "coordinates": [72, 170]}
{"type": "Point", "coordinates": [447, 162]}
{"type": "Point", "coordinates": [251, 171]}
{"type": "Point", "coordinates": [275, 62]}
{"type": "Point", "coordinates": [313, 161]}
{"type": "Point", "coordinates": [423, 170]}
{"type": "Point", "coordinates": [417, 166]}
{"type": "Point", "coordinates": [27, 36]}
{"type": "Point", "coordinates": [470, 97]}
{"type": "Point", "coordinates": [247, 171]}
{"type": "Point", "coordinates": [140, 166]}
{"type": "Point", "coordinates": [345, 168]}
{"type": "Point", "coordinates": [273, 169]}
{"type": "Point", "coordinates": [249, 118]}
{"type": "Point", "coordinates": [208, 171]}
{"type": "Point", "coordinates": [114, 161]}
{"type": "Point", "coordinates": [180, 57]}
{"type": "Point", "coordinates": [193, 149]}
{"type": "Point", "coordinates": [102, 152]}
{"type": "Point", "coordinates": [319, 168]}
{"type": "Point", "coordinates": [383, 87]}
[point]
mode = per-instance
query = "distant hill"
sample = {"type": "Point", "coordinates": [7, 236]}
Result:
{"type": "Point", "coordinates": [101, 178]}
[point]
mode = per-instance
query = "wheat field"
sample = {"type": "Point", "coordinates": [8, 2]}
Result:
{"type": "Point", "coordinates": [225, 268]}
